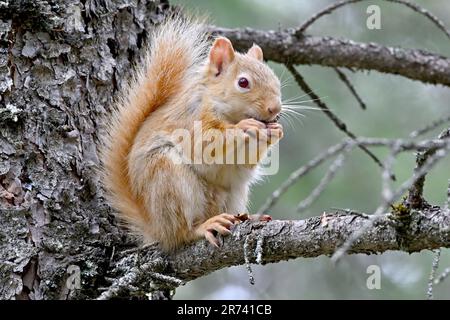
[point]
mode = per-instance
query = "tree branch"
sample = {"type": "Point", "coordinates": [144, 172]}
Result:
{"type": "Point", "coordinates": [350, 87]}
{"type": "Point", "coordinates": [415, 197]}
{"type": "Point", "coordinates": [285, 47]}
{"type": "Point", "coordinates": [284, 240]}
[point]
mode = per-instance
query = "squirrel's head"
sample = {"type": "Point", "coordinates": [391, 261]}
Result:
{"type": "Point", "coordinates": [242, 85]}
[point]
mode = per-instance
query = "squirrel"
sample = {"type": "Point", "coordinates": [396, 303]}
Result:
{"type": "Point", "coordinates": [183, 79]}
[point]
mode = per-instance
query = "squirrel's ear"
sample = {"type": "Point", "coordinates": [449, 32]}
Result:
{"type": "Point", "coordinates": [221, 54]}
{"type": "Point", "coordinates": [256, 52]}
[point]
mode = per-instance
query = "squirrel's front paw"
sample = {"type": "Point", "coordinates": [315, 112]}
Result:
{"type": "Point", "coordinates": [275, 131]}
{"type": "Point", "coordinates": [254, 129]}
{"type": "Point", "coordinates": [250, 125]}
{"type": "Point", "coordinates": [221, 223]}
{"type": "Point", "coordinates": [271, 132]}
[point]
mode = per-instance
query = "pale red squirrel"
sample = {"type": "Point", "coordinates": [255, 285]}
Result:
{"type": "Point", "coordinates": [184, 79]}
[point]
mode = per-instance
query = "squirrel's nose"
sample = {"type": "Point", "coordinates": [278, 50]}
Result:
{"type": "Point", "coordinates": [275, 109]}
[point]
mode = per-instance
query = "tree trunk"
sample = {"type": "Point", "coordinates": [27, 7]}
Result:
{"type": "Point", "coordinates": [61, 63]}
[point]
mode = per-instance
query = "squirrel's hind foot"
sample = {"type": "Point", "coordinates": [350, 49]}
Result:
{"type": "Point", "coordinates": [222, 224]}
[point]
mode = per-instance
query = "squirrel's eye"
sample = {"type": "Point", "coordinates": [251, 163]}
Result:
{"type": "Point", "coordinates": [243, 83]}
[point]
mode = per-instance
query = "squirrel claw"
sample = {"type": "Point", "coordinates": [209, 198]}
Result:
{"type": "Point", "coordinates": [212, 239]}
{"type": "Point", "coordinates": [211, 228]}
{"type": "Point", "coordinates": [241, 217]}
{"type": "Point", "coordinates": [253, 217]}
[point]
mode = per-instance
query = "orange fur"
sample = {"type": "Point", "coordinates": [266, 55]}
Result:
{"type": "Point", "coordinates": [159, 78]}
{"type": "Point", "coordinates": [179, 83]}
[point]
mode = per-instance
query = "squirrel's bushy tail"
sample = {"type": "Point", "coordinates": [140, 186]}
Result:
{"type": "Point", "coordinates": [175, 47]}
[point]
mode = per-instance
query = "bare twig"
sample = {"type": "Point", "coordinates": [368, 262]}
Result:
{"type": "Point", "coordinates": [429, 127]}
{"type": "Point", "coordinates": [165, 278]}
{"type": "Point", "coordinates": [415, 196]}
{"type": "Point", "coordinates": [338, 122]}
{"type": "Point", "coordinates": [332, 170]}
{"type": "Point", "coordinates": [251, 278]}
{"type": "Point", "coordinates": [402, 145]}
{"type": "Point", "coordinates": [447, 204]}
{"type": "Point", "coordinates": [425, 13]}
{"type": "Point", "coordinates": [328, 10]}
{"type": "Point", "coordinates": [350, 86]}
{"type": "Point", "coordinates": [351, 211]}
{"type": "Point", "coordinates": [386, 191]}
{"type": "Point", "coordinates": [259, 249]}
{"type": "Point", "coordinates": [124, 283]}
{"type": "Point", "coordinates": [446, 272]}
{"type": "Point", "coordinates": [437, 256]}
{"type": "Point", "coordinates": [127, 281]}
{"type": "Point", "coordinates": [426, 167]}
{"type": "Point", "coordinates": [442, 276]}
{"type": "Point", "coordinates": [297, 174]}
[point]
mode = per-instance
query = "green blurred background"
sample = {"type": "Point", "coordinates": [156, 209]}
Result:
{"type": "Point", "coordinates": [396, 106]}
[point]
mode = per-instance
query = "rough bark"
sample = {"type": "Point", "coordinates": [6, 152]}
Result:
{"type": "Point", "coordinates": [61, 64]}
{"type": "Point", "coordinates": [321, 235]}
{"type": "Point", "coordinates": [280, 240]}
